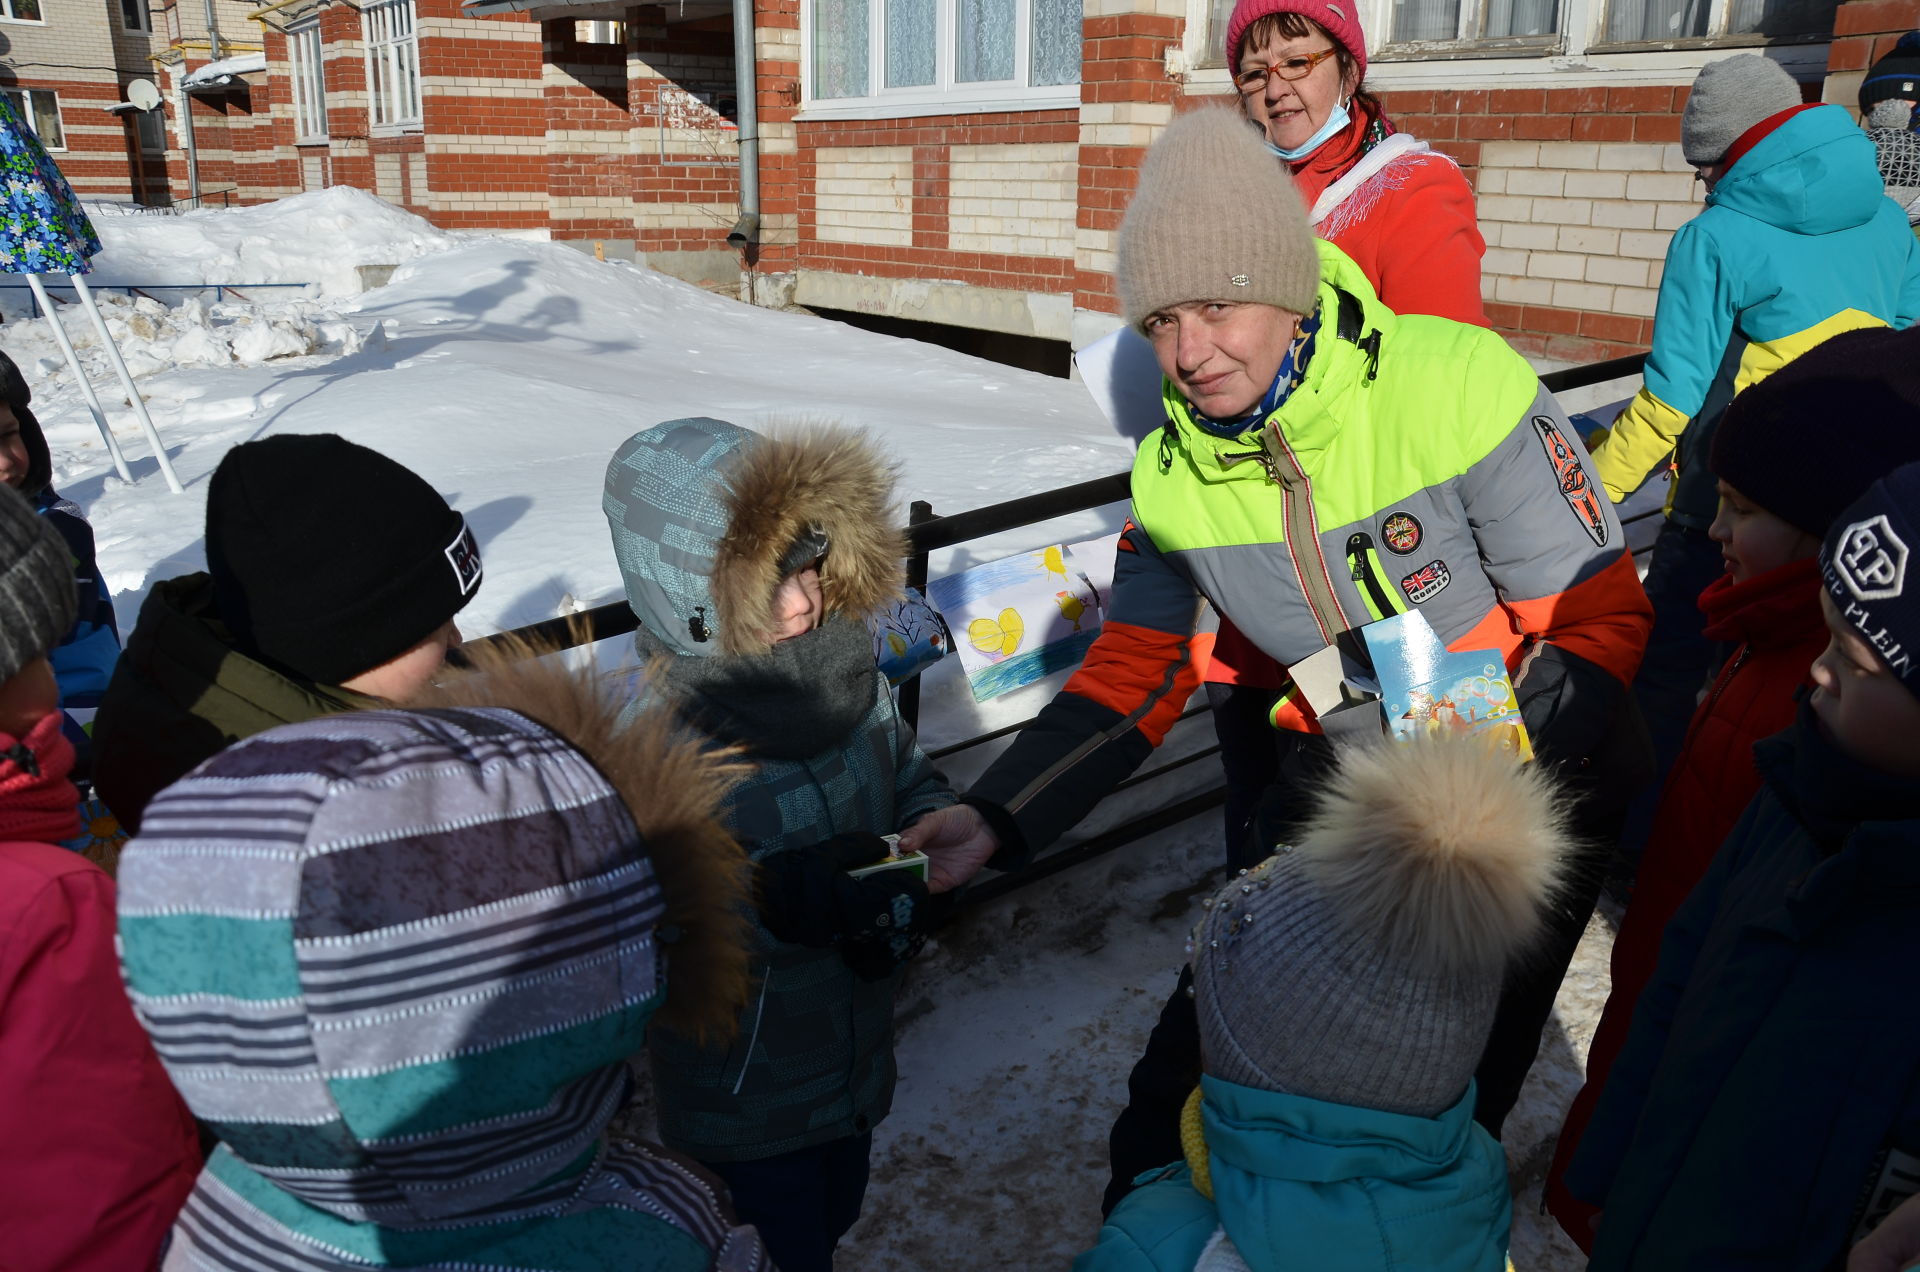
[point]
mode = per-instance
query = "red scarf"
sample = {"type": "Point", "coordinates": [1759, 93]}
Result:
{"type": "Point", "coordinates": [37, 802]}
{"type": "Point", "coordinates": [1780, 607]}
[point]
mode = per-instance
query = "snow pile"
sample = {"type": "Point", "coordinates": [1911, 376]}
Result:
{"type": "Point", "coordinates": [320, 238]}
{"type": "Point", "coordinates": [153, 338]}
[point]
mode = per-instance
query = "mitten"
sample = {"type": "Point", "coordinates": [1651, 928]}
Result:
{"type": "Point", "coordinates": [808, 898]}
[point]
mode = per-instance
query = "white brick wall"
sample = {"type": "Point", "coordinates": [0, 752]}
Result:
{"type": "Point", "coordinates": [1017, 200]}
{"type": "Point", "coordinates": [864, 194]}
{"type": "Point", "coordinates": [1581, 225]}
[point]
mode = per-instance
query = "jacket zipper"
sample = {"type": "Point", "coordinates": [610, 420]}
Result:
{"type": "Point", "coordinates": [1719, 687]}
{"type": "Point", "coordinates": [754, 1037]}
{"type": "Point", "coordinates": [1360, 557]}
{"type": "Point", "coordinates": [1296, 510]}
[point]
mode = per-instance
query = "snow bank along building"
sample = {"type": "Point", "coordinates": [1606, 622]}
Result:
{"type": "Point", "coordinates": [955, 162]}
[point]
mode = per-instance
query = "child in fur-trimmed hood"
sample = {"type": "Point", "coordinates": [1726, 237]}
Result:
{"type": "Point", "coordinates": [751, 562]}
{"type": "Point", "coordinates": [1345, 988]}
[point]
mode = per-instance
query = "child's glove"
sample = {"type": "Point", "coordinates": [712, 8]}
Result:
{"type": "Point", "coordinates": [808, 898]}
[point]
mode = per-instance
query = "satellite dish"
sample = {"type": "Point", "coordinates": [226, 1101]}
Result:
{"type": "Point", "coordinates": [143, 94]}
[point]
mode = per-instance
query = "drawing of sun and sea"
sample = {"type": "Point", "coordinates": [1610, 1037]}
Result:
{"type": "Point", "coordinates": [1022, 617]}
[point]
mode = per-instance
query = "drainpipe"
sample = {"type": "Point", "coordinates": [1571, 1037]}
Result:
{"type": "Point", "coordinates": [186, 142]}
{"type": "Point", "coordinates": [745, 233]}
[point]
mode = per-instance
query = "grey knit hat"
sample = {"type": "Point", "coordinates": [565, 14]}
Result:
{"type": "Point", "coordinates": [37, 595]}
{"type": "Point", "coordinates": [1362, 965]}
{"type": "Point", "coordinates": [1729, 97]}
{"type": "Point", "coordinates": [1215, 217]}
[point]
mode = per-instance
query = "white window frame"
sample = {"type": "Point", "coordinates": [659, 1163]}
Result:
{"type": "Point", "coordinates": [307, 82]}
{"type": "Point", "coordinates": [143, 23]}
{"type": "Point", "coordinates": [22, 99]}
{"type": "Point", "coordinates": [393, 94]}
{"type": "Point", "coordinates": [945, 96]}
{"type": "Point", "coordinates": [1580, 57]}
{"type": "Point", "coordinates": [7, 15]}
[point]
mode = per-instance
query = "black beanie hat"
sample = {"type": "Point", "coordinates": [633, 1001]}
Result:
{"type": "Point", "coordinates": [15, 392]}
{"type": "Point", "coordinates": [1864, 565]}
{"type": "Point", "coordinates": [1807, 440]}
{"type": "Point", "coordinates": [329, 559]}
{"type": "Point", "coordinates": [1895, 75]}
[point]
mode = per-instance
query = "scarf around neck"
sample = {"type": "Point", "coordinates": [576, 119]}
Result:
{"type": "Point", "coordinates": [798, 699]}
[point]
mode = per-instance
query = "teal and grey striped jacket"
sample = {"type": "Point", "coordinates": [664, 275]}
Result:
{"type": "Point", "coordinates": [396, 962]}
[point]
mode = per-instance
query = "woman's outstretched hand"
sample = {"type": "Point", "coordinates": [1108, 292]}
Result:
{"type": "Point", "coordinates": [957, 842]}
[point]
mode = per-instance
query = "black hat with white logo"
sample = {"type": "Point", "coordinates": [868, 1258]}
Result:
{"type": "Point", "coordinates": [329, 559]}
{"type": "Point", "coordinates": [1867, 563]}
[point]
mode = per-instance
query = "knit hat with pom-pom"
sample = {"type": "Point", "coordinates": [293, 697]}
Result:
{"type": "Point", "coordinates": [1215, 218]}
{"type": "Point", "coordinates": [1361, 965]}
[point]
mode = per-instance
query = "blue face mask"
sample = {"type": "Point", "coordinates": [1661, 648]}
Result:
{"type": "Point", "coordinates": [1335, 122]}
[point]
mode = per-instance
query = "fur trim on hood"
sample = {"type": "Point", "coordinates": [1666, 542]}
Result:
{"type": "Point", "coordinates": [1445, 851]}
{"type": "Point", "coordinates": [832, 479]}
{"type": "Point", "coordinates": [673, 789]}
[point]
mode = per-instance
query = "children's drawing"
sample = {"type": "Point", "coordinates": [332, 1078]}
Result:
{"type": "Point", "coordinates": [1026, 615]}
{"type": "Point", "coordinates": [908, 637]}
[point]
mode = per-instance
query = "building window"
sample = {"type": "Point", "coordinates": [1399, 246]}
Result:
{"type": "Point", "coordinates": [393, 63]}
{"type": "Point", "coordinates": [1662, 21]}
{"type": "Point", "coordinates": [308, 83]}
{"type": "Point", "coordinates": [20, 10]}
{"type": "Point", "coordinates": [134, 15]}
{"type": "Point", "coordinates": [954, 54]}
{"type": "Point", "coordinates": [150, 126]}
{"type": "Point", "coordinates": [39, 110]}
{"type": "Point", "coordinates": [1474, 21]}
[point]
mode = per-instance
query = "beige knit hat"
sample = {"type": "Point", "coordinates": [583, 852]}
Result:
{"type": "Point", "coordinates": [1215, 217]}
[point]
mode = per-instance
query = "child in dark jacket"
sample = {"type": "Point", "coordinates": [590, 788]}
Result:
{"type": "Point", "coordinates": [1864, 387]}
{"type": "Point", "coordinates": [96, 1150]}
{"type": "Point", "coordinates": [1765, 1111]}
{"type": "Point", "coordinates": [333, 577]}
{"type": "Point", "coordinates": [751, 563]}
{"type": "Point", "coordinates": [1345, 988]}
{"type": "Point", "coordinates": [397, 962]}
{"type": "Point", "coordinates": [83, 661]}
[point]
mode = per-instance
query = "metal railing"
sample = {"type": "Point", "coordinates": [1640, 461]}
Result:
{"type": "Point", "coordinates": [219, 290]}
{"type": "Point", "coordinates": [928, 533]}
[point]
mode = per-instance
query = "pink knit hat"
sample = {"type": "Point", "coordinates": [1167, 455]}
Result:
{"type": "Point", "coordinates": [1334, 15]}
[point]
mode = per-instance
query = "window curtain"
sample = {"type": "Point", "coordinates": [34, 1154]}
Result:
{"type": "Point", "coordinates": [1632, 20]}
{"type": "Point", "coordinates": [1506, 18]}
{"type": "Point", "coordinates": [983, 46]}
{"type": "Point", "coordinates": [1426, 20]}
{"type": "Point", "coordinates": [1056, 42]}
{"type": "Point", "coordinates": [839, 48]}
{"type": "Point", "coordinates": [910, 43]}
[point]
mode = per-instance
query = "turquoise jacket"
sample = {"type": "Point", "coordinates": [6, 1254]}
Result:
{"type": "Point", "coordinates": [1798, 243]}
{"type": "Point", "coordinates": [1300, 1183]}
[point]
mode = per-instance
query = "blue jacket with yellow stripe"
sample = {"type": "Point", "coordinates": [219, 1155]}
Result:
{"type": "Point", "coordinates": [1798, 242]}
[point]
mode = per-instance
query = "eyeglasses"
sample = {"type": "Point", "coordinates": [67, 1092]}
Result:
{"type": "Point", "coordinates": [1294, 68]}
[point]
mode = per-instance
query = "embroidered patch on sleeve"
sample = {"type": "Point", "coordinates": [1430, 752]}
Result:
{"type": "Point", "coordinates": [463, 554]}
{"type": "Point", "coordinates": [1401, 532]}
{"type": "Point", "coordinates": [1575, 486]}
{"type": "Point", "coordinates": [1427, 582]}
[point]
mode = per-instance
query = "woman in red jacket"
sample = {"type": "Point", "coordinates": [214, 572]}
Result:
{"type": "Point", "coordinates": [1402, 211]}
{"type": "Point", "coordinates": [1864, 388]}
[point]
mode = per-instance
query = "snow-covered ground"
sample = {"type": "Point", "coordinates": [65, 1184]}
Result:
{"type": "Point", "coordinates": [506, 372]}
